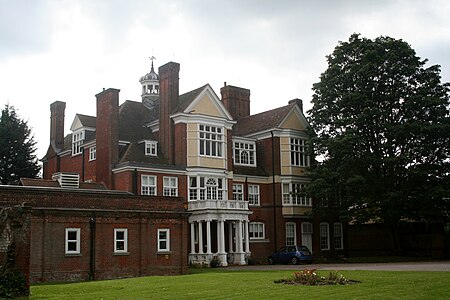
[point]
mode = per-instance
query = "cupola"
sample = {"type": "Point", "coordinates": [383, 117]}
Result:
{"type": "Point", "coordinates": [150, 87]}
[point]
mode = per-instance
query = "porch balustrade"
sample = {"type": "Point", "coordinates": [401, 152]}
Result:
{"type": "Point", "coordinates": [217, 204]}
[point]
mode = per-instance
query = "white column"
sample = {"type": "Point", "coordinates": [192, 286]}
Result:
{"type": "Point", "coordinates": [219, 236]}
{"type": "Point", "coordinates": [200, 237]}
{"type": "Point", "coordinates": [239, 245]}
{"type": "Point", "coordinates": [208, 236]}
{"type": "Point", "coordinates": [192, 238]}
{"type": "Point", "coordinates": [230, 237]}
{"type": "Point", "coordinates": [247, 238]}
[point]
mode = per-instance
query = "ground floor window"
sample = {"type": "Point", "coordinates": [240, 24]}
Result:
{"type": "Point", "coordinates": [324, 236]}
{"type": "Point", "coordinates": [291, 239]}
{"type": "Point", "coordinates": [73, 240]}
{"type": "Point", "coordinates": [338, 236]}
{"type": "Point", "coordinates": [120, 240]}
{"type": "Point", "coordinates": [163, 240]}
{"type": "Point", "coordinates": [256, 230]}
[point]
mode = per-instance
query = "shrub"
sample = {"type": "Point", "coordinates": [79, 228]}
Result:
{"type": "Point", "coordinates": [12, 283]}
{"type": "Point", "coordinates": [310, 277]}
{"type": "Point", "coordinates": [215, 262]}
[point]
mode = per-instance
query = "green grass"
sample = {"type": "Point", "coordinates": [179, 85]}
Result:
{"type": "Point", "coordinates": [223, 284]}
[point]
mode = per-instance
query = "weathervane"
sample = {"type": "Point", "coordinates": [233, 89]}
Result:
{"type": "Point", "coordinates": [152, 58]}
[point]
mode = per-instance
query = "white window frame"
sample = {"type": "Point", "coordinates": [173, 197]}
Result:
{"type": "Point", "coordinates": [170, 186]}
{"type": "Point", "coordinates": [244, 153]}
{"type": "Point", "coordinates": [92, 153]}
{"type": "Point", "coordinates": [147, 187]}
{"type": "Point", "coordinates": [238, 191]}
{"type": "Point", "coordinates": [324, 236]}
{"type": "Point", "coordinates": [292, 198]}
{"type": "Point", "coordinates": [77, 241]}
{"type": "Point", "coordinates": [207, 188]}
{"type": "Point", "coordinates": [299, 158]}
{"type": "Point", "coordinates": [291, 233]}
{"type": "Point", "coordinates": [166, 240]}
{"type": "Point", "coordinates": [253, 195]}
{"type": "Point", "coordinates": [151, 148]}
{"type": "Point", "coordinates": [211, 140]}
{"type": "Point", "coordinates": [256, 231]}
{"type": "Point", "coordinates": [124, 240]}
{"type": "Point", "coordinates": [338, 236]}
{"type": "Point", "coordinates": [77, 142]}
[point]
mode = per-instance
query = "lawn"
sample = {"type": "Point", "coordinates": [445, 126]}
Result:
{"type": "Point", "coordinates": [223, 284]}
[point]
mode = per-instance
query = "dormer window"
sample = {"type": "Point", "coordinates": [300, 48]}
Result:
{"type": "Point", "coordinates": [151, 148]}
{"type": "Point", "coordinates": [77, 142]}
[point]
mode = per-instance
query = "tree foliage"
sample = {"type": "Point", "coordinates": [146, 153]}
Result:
{"type": "Point", "coordinates": [17, 148]}
{"type": "Point", "coordinates": [382, 129]}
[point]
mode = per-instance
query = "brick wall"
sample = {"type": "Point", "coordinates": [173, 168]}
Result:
{"type": "Point", "coordinates": [96, 215]}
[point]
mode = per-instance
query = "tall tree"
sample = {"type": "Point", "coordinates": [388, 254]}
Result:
{"type": "Point", "coordinates": [382, 128]}
{"type": "Point", "coordinates": [17, 148]}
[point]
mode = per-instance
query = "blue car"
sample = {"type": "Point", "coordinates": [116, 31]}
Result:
{"type": "Point", "coordinates": [291, 254]}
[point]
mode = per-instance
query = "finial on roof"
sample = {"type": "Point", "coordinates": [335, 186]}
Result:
{"type": "Point", "coordinates": [152, 58]}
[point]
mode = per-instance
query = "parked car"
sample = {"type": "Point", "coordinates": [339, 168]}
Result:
{"type": "Point", "coordinates": [291, 254]}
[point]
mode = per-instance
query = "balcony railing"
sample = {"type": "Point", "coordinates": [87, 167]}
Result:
{"type": "Point", "coordinates": [218, 204]}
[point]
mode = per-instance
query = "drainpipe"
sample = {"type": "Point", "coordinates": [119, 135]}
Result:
{"type": "Point", "coordinates": [92, 226]}
{"type": "Point", "coordinates": [274, 195]}
{"type": "Point", "coordinates": [82, 164]}
{"type": "Point", "coordinates": [135, 180]}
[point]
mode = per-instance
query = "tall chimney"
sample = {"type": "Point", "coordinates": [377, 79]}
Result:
{"type": "Point", "coordinates": [168, 101]}
{"type": "Point", "coordinates": [107, 135]}
{"type": "Point", "coordinates": [236, 100]}
{"type": "Point", "coordinates": [297, 101]}
{"type": "Point", "coordinates": [57, 109]}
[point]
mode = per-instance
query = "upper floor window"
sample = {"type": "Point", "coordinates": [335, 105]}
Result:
{"type": "Point", "coordinates": [338, 236]}
{"type": "Point", "coordinates": [170, 187]}
{"type": "Point", "coordinates": [256, 230]}
{"type": "Point", "coordinates": [148, 185]}
{"type": "Point", "coordinates": [298, 153]}
{"type": "Point", "coordinates": [291, 234]}
{"type": "Point", "coordinates": [151, 148]}
{"type": "Point", "coordinates": [238, 191]}
{"type": "Point", "coordinates": [120, 240]}
{"type": "Point", "coordinates": [324, 236]}
{"type": "Point", "coordinates": [77, 142]}
{"type": "Point", "coordinates": [244, 153]}
{"type": "Point", "coordinates": [206, 188]}
{"type": "Point", "coordinates": [211, 140]}
{"type": "Point", "coordinates": [73, 240]}
{"type": "Point", "coordinates": [293, 194]}
{"type": "Point", "coordinates": [253, 194]}
{"type": "Point", "coordinates": [92, 153]}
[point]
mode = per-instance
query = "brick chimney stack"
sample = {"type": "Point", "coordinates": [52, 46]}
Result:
{"type": "Point", "coordinates": [57, 109]}
{"type": "Point", "coordinates": [168, 101]}
{"type": "Point", "coordinates": [236, 100]}
{"type": "Point", "coordinates": [297, 101]}
{"type": "Point", "coordinates": [107, 135]}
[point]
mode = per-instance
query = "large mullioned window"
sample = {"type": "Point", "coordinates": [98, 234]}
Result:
{"type": "Point", "coordinates": [206, 188]}
{"type": "Point", "coordinates": [211, 140]}
{"type": "Point", "coordinates": [293, 194]}
{"type": "Point", "coordinates": [298, 153]}
{"type": "Point", "coordinates": [244, 153]}
{"type": "Point", "coordinates": [256, 230]}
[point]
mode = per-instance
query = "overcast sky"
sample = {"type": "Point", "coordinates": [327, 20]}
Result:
{"type": "Point", "coordinates": [70, 50]}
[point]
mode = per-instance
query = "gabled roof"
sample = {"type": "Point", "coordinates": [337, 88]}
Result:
{"type": "Point", "coordinates": [81, 121]}
{"type": "Point", "coordinates": [186, 99]}
{"type": "Point", "coordinates": [266, 120]}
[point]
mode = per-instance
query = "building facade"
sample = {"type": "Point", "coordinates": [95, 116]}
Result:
{"type": "Point", "coordinates": [241, 175]}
